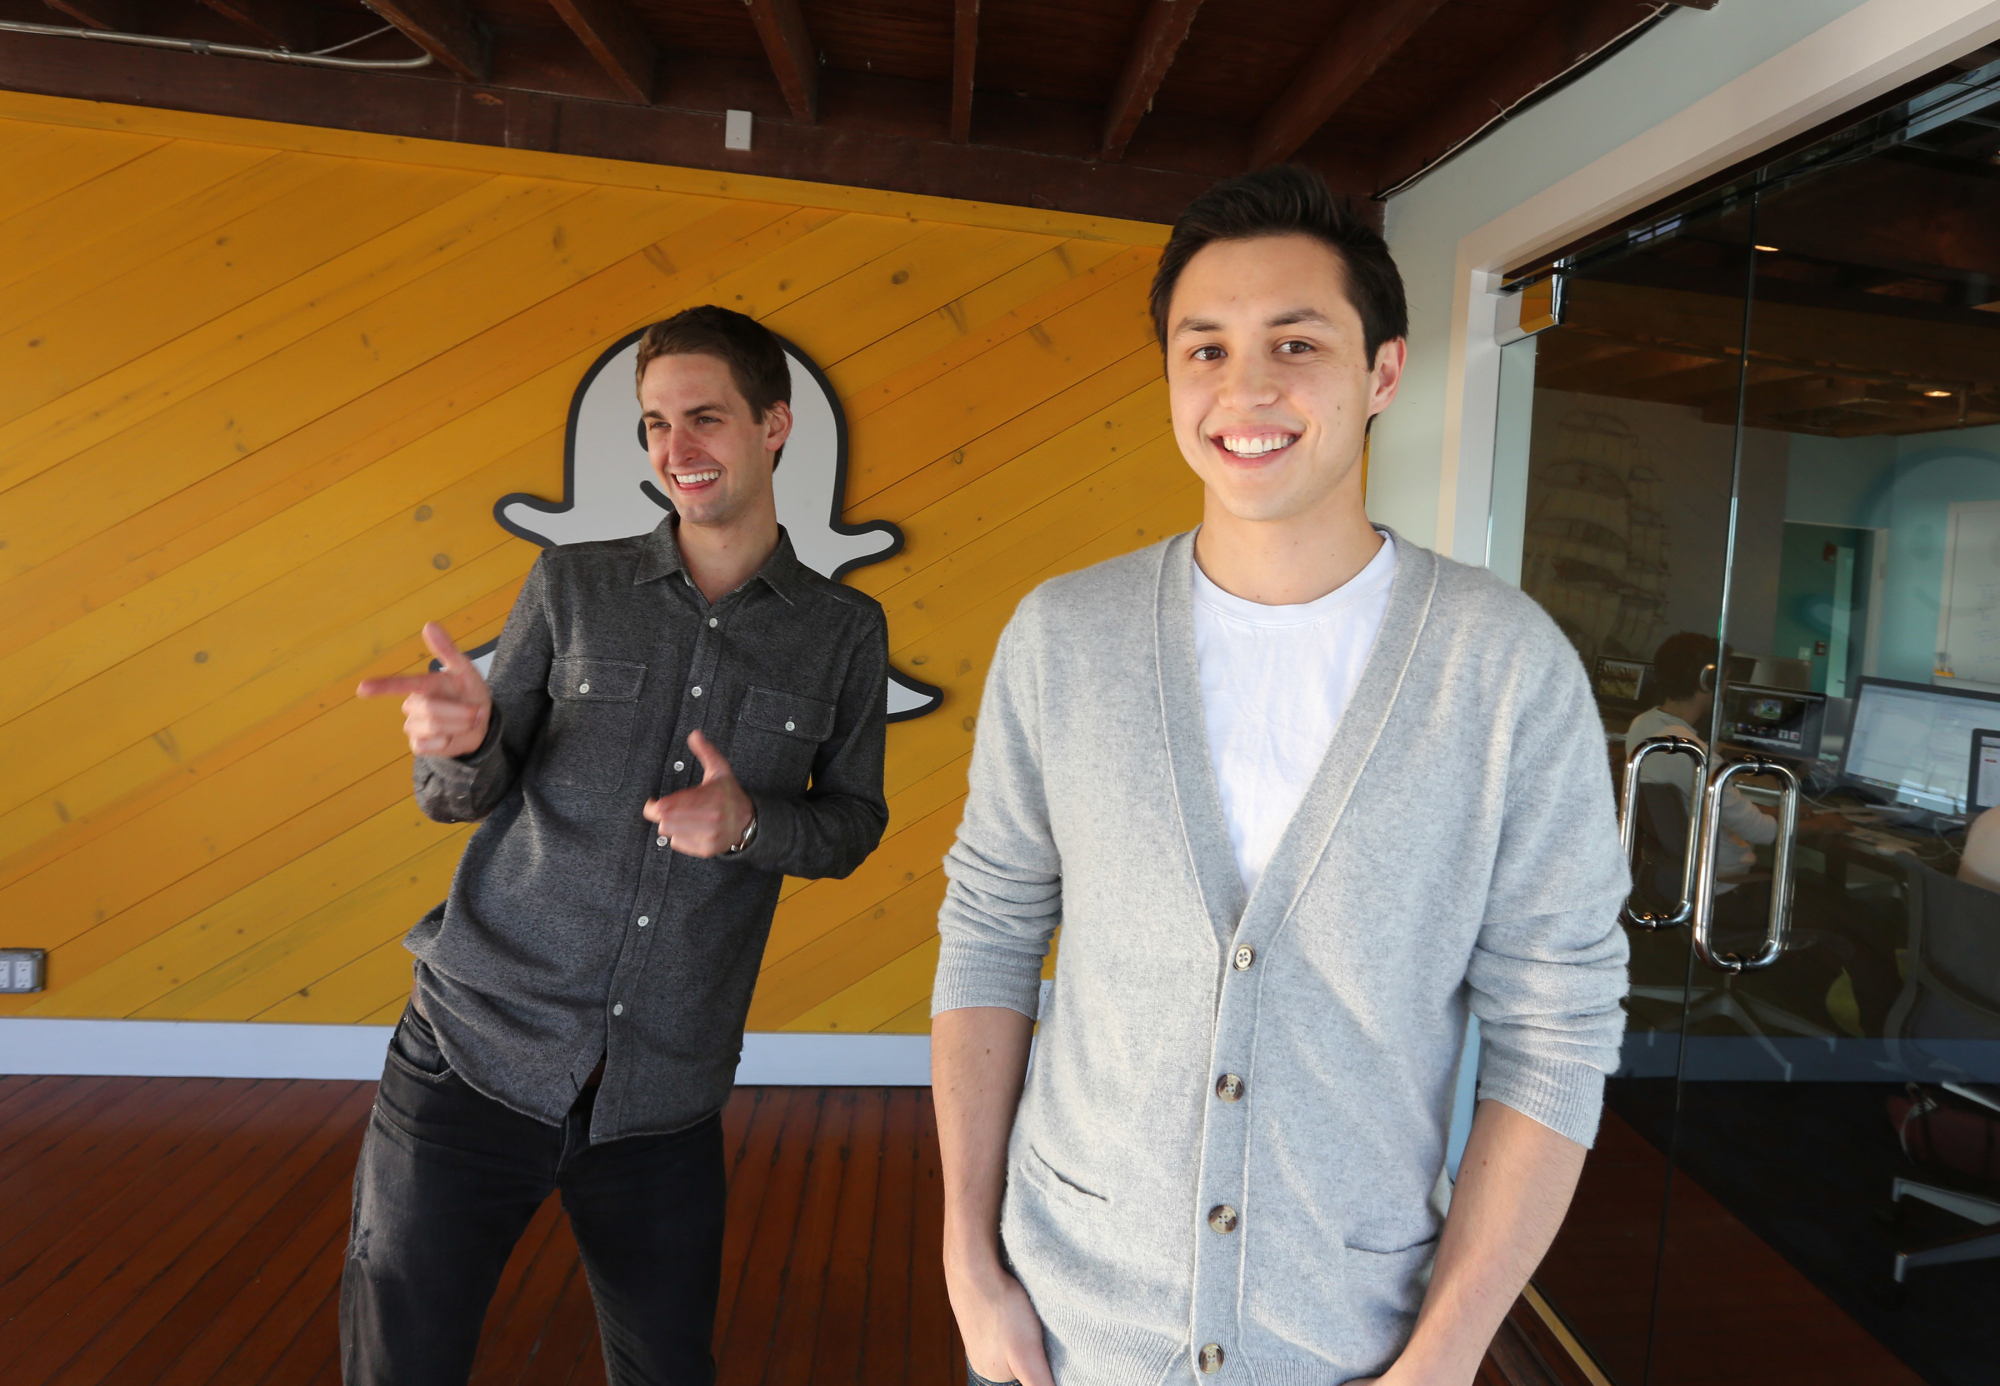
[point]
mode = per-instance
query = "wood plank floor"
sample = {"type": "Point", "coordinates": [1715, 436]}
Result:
{"type": "Point", "coordinates": [182, 1231]}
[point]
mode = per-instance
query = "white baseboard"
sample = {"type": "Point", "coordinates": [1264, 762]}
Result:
{"type": "Point", "coordinates": [216, 1049]}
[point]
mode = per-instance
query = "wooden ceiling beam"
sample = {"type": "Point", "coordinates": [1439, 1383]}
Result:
{"type": "Point", "coordinates": [1570, 33]}
{"type": "Point", "coordinates": [288, 24]}
{"type": "Point", "coordinates": [964, 55]}
{"type": "Point", "coordinates": [112, 16]}
{"type": "Point", "coordinates": [1366, 36]}
{"type": "Point", "coordinates": [607, 28]}
{"type": "Point", "coordinates": [1161, 32]}
{"type": "Point", "coordinates": [442, 28]}
{"type": "Point", "coordinates": [794, 60]}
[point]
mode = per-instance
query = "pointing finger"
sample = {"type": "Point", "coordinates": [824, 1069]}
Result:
{"type": "Point", "coordinates": [405, 683]}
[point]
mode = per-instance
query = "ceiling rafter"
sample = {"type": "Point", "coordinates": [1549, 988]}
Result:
{"type": "Point", "coordinates": [113, 16]}
{"type": "Point", "coordinates": [608, 29]}
{"type": "Point", "coordinates": [964, 55]}
{"type": "Point", "coordinates": [1366, 36]}
{"type": "Point", "coordinates": [789, 46]}
{"type": "Point", "coordinates": [442, 28]}
{"type": "Point", "coordinates": [288, 24]}
{"type": "Point", "coordinates": [1161, 33]}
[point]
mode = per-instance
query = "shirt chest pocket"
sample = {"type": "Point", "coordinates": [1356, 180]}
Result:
{"type": "Point", "coordinates": [777, 736]}
{"type": "Point", "coordinates": [587, 744]}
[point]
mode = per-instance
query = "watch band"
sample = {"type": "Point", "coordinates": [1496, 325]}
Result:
{"type": "Point", "coordinates": [749, 836]}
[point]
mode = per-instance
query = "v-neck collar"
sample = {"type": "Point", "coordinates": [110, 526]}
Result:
{"type": "Point", "coordinates": [1304, 841]}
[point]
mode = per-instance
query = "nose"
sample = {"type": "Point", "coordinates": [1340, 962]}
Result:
{"type": "Point", "coordinates": [681, 449]}
{"type": "Point", "coordinates": [1248, 381]}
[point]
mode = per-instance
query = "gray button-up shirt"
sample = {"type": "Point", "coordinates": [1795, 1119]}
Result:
{"type": "Point", "coordinates": [571, 933]}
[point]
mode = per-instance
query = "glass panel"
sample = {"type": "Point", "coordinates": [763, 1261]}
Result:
{"type": "Point", "coordinates": [1842, 1107]}
{"type": "Point", "coordinates": [1618, 450]}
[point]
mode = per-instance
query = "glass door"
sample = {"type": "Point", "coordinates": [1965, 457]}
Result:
{"type": "Point", "coordinates": [1835, 1213]}
{"type": "Point", "coordinates": [1620, 458]}
{"type": "Point", "coordinates": [1760, 488]}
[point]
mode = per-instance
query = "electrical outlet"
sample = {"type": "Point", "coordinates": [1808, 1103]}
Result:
{"type": "Point", "coordinates": [23, 969]}
{"type": "Point", "coordinates": [736, 129]}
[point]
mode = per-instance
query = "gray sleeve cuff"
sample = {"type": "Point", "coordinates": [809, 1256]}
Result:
{"type": "Point", "coordinates": [1567, 1098]}
{"type": "Point", "coordinates": [969, 974]}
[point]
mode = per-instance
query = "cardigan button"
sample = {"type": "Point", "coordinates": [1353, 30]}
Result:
{"type": "Point", "coordinates": [1245, 955]}
{"type": "Point", "coordinates": [1222, 1218]}
{"type": "Point", "coordinates": [1210, 1358]}
{"type": "Point", "coordinates": [1229, 1087]}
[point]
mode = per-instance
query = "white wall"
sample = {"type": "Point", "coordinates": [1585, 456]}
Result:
{"type": "Point", "coordinates": [1700, 91]}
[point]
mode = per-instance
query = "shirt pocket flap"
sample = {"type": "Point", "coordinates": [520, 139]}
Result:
{"type": "Point", "coordinates": [788, 714]}
{"type": "Point", "coordinates": [596, 680]}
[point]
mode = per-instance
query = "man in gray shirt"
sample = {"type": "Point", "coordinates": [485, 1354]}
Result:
{"type": "Point", "coordinates": [1301, 794]}
{"type": "Point", "coordinates": [674, 723]}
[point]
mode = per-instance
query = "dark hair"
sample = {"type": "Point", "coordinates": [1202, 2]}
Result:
{"type": "Point", "coordinates": [752, 351]}
{"type": "Point", "coordinates": [1679, 662]}
{"type": "Point", "coordinates": [1290, 200]}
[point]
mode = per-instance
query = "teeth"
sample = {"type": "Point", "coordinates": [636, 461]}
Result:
{"type": "Point", "coordinates": [1256, 447]}
{"type": "Point", "coordinates": [696, 478]}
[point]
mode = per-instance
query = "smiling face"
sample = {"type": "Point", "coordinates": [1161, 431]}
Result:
{"type": "Point", "coordinates": [1270, 380]}
{"type": "Point", "coordinates": [713, 459]}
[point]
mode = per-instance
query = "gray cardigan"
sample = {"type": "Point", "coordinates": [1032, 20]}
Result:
{"type": "Point", "coordinates": [1238, 1109]}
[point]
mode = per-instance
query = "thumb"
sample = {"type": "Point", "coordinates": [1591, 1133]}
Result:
{"type": "Point", "coordinates": [448, 655]}
{"type": "Point", "coordinates": [713, 766]}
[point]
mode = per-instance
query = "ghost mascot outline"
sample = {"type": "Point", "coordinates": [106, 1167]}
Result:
{"type": "Point", "coordinates": [608, 490]}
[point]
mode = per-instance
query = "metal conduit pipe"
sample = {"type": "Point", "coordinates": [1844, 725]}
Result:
{"type": "Point", "coordinates": [320, 58]}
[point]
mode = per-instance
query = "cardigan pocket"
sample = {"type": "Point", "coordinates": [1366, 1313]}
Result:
{"type": "Point", "coordinates": [1391, 1283]}
{"type": "Point", "coordinates": [1060, 1185]}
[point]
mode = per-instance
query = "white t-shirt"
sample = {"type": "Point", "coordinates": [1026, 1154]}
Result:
{"type": "Point", "coordinates": [1274, 681]}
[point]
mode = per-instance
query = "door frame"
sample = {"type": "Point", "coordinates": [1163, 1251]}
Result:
{"type": "Point", "coordinates": [1872, 49]}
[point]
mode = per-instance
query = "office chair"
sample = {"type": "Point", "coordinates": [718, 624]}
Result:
{"type": "Point", "coordinates": [1663, 826]}
{"type": "Point", "coordinates": [1951, 994]}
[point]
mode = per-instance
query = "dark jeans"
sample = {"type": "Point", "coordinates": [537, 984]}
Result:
{"type": "Point", "coordinates": [447, 1182]}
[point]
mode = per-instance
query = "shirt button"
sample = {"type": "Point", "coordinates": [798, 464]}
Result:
{"type": "Point", "coordinates": [712, 623]}
{"type": "Point", "coordinates": [1229, 1087]}
{"type": "Point", "coordinates": [618, 1009]}
{"type": "Point", "coordinates": [657, 842]}
{"type": "Point", "coordinates": [1222, 1218]}
{"type": "Point", "coordinates": [1211, 1358]}
{"type": "Point", "coordinates": [644, 921]}
{"type": "Point", "coordinates": [788, 726]}
{"type": "Point", "coordinates": [1245, 955]}
{"type": "Point", "coordinates": [696, 690]}
{"type": "Point", "coordinates": [583, 688]}
{"type": "Point", "coordinates": [680, 765]}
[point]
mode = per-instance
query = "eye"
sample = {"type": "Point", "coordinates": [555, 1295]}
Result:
{"type": "Point", "coordinates": [1295, 347]}
{"type": "Point", "coordinates": [1210, 352]}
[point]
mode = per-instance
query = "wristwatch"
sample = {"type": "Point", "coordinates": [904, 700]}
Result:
{"type": "Point", "coordinates": [749, 836]}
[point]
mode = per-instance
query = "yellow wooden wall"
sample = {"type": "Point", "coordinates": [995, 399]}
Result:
{"type": "Point", "coordinates": [260, 386]}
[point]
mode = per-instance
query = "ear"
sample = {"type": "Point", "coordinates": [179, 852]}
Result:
{"type": "Point", "coordinates": [777, 426]}
{"type": "Point", "coordinates": [1390, 358]}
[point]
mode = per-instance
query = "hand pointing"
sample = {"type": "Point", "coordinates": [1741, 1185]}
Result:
{"type": "Point", "coordinates": [444, 713]}
{"type": "Point", "coordinates": [710, 818]}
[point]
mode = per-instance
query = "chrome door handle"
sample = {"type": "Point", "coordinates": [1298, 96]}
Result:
{"type": "Point", "coordinates": [1780, 922]}
{"type": "Point", "coordinates": [1628, 828]}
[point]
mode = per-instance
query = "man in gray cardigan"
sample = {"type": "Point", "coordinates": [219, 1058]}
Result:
{"type": "Point", "coordinates": [1301, 794]}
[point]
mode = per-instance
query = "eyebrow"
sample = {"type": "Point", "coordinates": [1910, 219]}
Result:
{"type": "Point", "coordinates": [690, 412]}
{"type": "Point", "coordinates": [1290, 318]}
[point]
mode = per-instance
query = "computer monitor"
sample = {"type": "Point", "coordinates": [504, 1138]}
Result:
{"type": "Point", "coordinates": [1773, 721]}
{"type": "Point", "coordinates": [1623, 681]}
{"type": "Point", "coordinates": [1982, 777]}
{"type": "Point", "coordinates": [1909, 740]}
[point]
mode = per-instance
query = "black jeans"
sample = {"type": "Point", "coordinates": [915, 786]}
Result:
{"type": "Point", "coordinates": [447, 1182]}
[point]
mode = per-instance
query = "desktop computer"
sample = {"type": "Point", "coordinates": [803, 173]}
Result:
{"type": "Point", "coordinates": [1773, 721]}
{"type": "Point", "coordinates": [1910, 741]}
{"type": "Point", "coordinates": [1982, 777]}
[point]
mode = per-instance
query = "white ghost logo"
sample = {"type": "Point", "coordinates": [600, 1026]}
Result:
{"type": "Point", "coordinates": [609, 493]}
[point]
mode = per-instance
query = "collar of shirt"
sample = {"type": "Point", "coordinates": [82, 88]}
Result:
{"type": "Point", "coordinates": [782, 572]}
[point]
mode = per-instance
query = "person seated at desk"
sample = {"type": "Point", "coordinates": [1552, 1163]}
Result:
{"type": "Point", "coordinates": [1980, 864]}
{"type": "Point", "coordinates": [1685, 666]}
